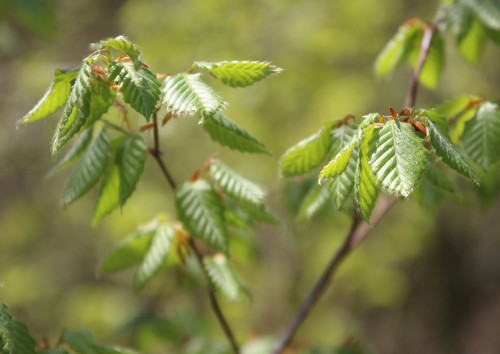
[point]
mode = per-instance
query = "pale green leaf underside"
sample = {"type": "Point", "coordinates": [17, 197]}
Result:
{"type": "Point", "coordinates": [307, 154]}
{"type": "Point", "coordinates": [340, 137]}
{"type": "Point", "coordinates": [314, 200]}
{"type": "Point", "coordinates": [123, 44]}
{"type": "Point", "coordinates": [109, 194]}
{"type": "Point", "coordinates": [140, 88]}
{"type": "Point", "coordinates": [339, 164]}
{"type": "Point", "coordinates": [447, 152]}
{"type": "Point", "coordinates": [342, 186]}
{"type": "Point", "coordinates": [398, 157]}
{"type": "Point", "coordinates": [155, 256]}
{"type": "Point", "coordinates": [222, 276]}
{"type": "Point", "coordinates": [74, 153]}
{"type": "Point", "coordinates": [91, 167]}
{"type": "Point", "coordinates": [201, 211]}
{"type": "Point", "coordinates": [131, 161]}
{"type": "Point", "coordinates": [236, 186]}
{"type": "Point", "coordinates": [239, 73]}
{"type": "Point", "coordinates": [227, 133]}
{"type": "Point", "coordinates": [127, 253]}
{"type": "Point", "coordinates": [188, 93]}
{"type": "Point", "coordinates": [487, 11]}
{"type": "Point", "coordinates": [481, 138]}
{"type": "Point", "coordinates": [55, 97]}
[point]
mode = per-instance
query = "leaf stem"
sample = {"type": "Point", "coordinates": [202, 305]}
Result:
{"type": "Point", "coordinates": [156, 153]}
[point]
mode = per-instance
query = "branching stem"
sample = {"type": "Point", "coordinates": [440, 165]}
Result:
{"type": "Point", "coordinates": [156, 153]}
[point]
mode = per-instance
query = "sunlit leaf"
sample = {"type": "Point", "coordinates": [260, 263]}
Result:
{"type": "Point", "coordinates": [341, 187]}
{"type": "Point", "coordinates": [222, 276]}
{"type": "Point", "coordinates": [123, 44]}
{"type": "Point", "coordinates": [315, 199]}
{"type": "Point", "coordinates": [188, 93]}
{"type": "Point", "coordinates": [239, 73]}
{"type": "Point", "coordinates": [201, 211]}
{"type": "Point", "coordinates": [308, 153]}
{"type": "Point", "coordinates": [155, 256]}
{"type": "Point", "coordinates": [109, 194]}
{"type": "Point", "coordinates": [339, 163]}
{"type": "Point", "coordinates": [434, 62]}
{"type": "Point", "coordinates": [482, 135]}
{"type": "Point", "coordinates": [55, 97]}
{"type": "Point", "coordinates": [487, 11]}
{"type": "Point", "coordinates": [102, 97]}
{"type": "Point", "coordinates": [340, 137]}
{"type": "Point", "coordinates": [398, 157]}
{"type": "Point", "coordinates": [140, 88]}
{"type": "Point", "coordinates": [131, 160]}
{"type": "Point", "coordinates": [90, 169]}
{"type": "Point", "coordinates": [471, 44]}
{"type": "Point", "coordinates": [227, 133]}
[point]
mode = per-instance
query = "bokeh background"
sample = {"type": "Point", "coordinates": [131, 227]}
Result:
{"type": "Point", "coordinates": [427, 280]}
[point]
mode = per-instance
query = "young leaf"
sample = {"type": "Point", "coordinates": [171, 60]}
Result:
{"type": "Point", "coordinates": [487, 11]}
{"type": "Point", "coordinates": [239, 73]}
{"type": "Point", "coordinates": [482, 136]}
{"type": "Point", "coordinates": [261, 214]}
{"type": "Point", "coordinates": [131, 160]}
{"type": "Point", "coordinates": [398, 158]}
{"type": "Point", "coordinates": [109, 194]}
{"type": "Point", "coordinates": [471, 44]}
{"type": "Point", "coordinates": [128, 252]}
{"type": "Point", "coordinates": [434, 63]}
{"type": "Point", "coordinates": [222, 276]}
{"type": "Point", "coordinates": [366, 186]}
{"type": "Point", "coordinates": [201, 211]}
{"type": "Point", "coordinates": [14, 335]}
{"type": "Point", "coordinates": [235, 217]}
{"type": "Point", "coordinates": [102, 97]}
{"type": "Point", "coordinates": [155, 256]}
{"type": "Point", "coordinates": [188, 93]}
{"type": "Point", "coordinates": [227, 133]}
{"type": "Point", "coordinates": [445, 149]}
{"type": "Point", "coordinates": [55, 97]}
{"type": "Point", "coordinates": [236, 186]}
{"type": "Point", "coordinates": [123, 44]}
{"type": "Point", "coordinates": [140, 88]}
{"type": "Point", "coordinates": [341, 186]}
{"type": "Point", "coordinates": [398, 48]}
{"type": "Point", "coordinates": [308, 153]}
{"type": "Point", "coordinates": [339, 164]}
{"type": "Point", "coordinates": [74, 153]}
{"type": "Point", "coordinates": [438, 178]}
{"type": "Point", "coordinates": [76, 110]}
{"type": "Point", "coordinates": [82, 342]}
{"type": "Point", "coordinates": [89, 170]}
{"type": "Point", "coordinates": [340, 137]}
{"type": "Point", "coordinates": [314, 200]}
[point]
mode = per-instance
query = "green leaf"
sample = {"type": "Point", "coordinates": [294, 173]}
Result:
{"type": "Point", "coordinates": [14, 334]}
{"type": "Point", "coordinates": [227, 133]}
{"type": "Point", "coordinates": [315, 199]}
{"type": "Point", "coordinates": [339, 164]}
{"type": "Point", "coordinates": [239, 73]}
{"type": "Point", "coordinates": [53, 351]}
{"type": "Point", "coordinates": [236, 186]}
{"type": "Point", "coordinates": [235, 217]}
{"type": "Point", "coordinates": [74, 153]}
{"type": "Point", "coordinates": [128, 252]}
{"type": "Point", "coordinates": [487, 11]}
{"type": "Point", "coordinates": [366, 186]}
{"type": "Point", "coordinates": [437, 177]}
{"type": "Point", "coordinates": [398, 157]}
{"type": "Point", "coordinates": [155, 256]}
{"type": "Point", "coordinates": [261, 214]}
{"type": "Point", "coordinates": [82, 342]}
{"type": "Point", "coordinates": [494, 35]}
{"type": "Point", "coordinates": [201, 211]}
{"type": "Point", "coordinates": [109, 194]}
{"type": "Point", "coordinates": [89, 170]}
{"type": "Point", "coordinates": [482, 136]}
{"type": "Point", "coordinates": [471, 44]}
{"type": "Point", "coordinates": [341, 187]}
{"type": "Point", "coordinates": [459, 17]}
{"type": "Point", "coordinates": [123, 44]}
{"type": "Point", "coordinates": [398, 48]}
{"type": "Point", "coordinates": [447, 152]}
{"type": "Point", "coordinates": [131, 160]}
{"type": "Point", "coordinates": [340, 137]}
{"type": "Point", "coordinates": [76, 110]}
{"type": "Point", "coordinates": [55, 97]}
{"type": "Point", "coordinates": [188, 93]}
{"type": "Point", "coordinates": [102, 97]}
{"type": "Point", "coordinates": [222, 276]}
{"type": "Point", "coordinates": [308, 153]}
{"type": "Point", "coordinates": [434, 63]}
{"type": "Point", "coordinates": [140, 88]}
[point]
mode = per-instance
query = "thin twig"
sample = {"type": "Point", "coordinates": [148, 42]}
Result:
{"type": "Point", "coordinates": [156, 153]}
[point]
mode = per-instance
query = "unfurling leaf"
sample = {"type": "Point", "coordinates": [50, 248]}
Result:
{"type": "Point", "coordinates": [482, 136]}
{"type": "Point", "coordinates": [124, 45]}
{"type": "Point", "coordinates": [201, 211]}
{"type": "Point", "coordinates": [339, 164]}
{"type": "Point", "coordinates": [398, 157]}
{"type": "Point", "coordinates": [222, 276]}
{"type": "Point", "coordinates": [90, 169]}
{"type": "Point", "coordinates": [239, 73]}
{"type": "Point", "coordinates": [155, 256]}
{"type": "Point", "coordinates": [74, 153]}
{"type": "Point", "coordinates": [131, 160]}
{"type": "Point", "coordinates": [55, 97]}
{"type": "Point", "coordinates": [101, 98]}
{"type": "Point", "coordinates": [308, 153]}
{"type": "Point", "coordinates": [140, 88]}
{"type": "Point", "coordinates": [341, 187]}
{"type": "Point", "coordinates": [188, 93]}
{"type": "Point", "coordinates": [227, 133]}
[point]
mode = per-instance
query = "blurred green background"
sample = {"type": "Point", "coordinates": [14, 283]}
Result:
{"type": "Point", "coordinates": [427, 280]}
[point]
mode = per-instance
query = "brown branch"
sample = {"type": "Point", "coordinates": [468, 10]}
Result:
{"type": "Point", "coordinates": [156, 153]}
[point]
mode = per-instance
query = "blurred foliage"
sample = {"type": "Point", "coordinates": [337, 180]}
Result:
{"type": "Point", "coordinates": [415, 282]}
